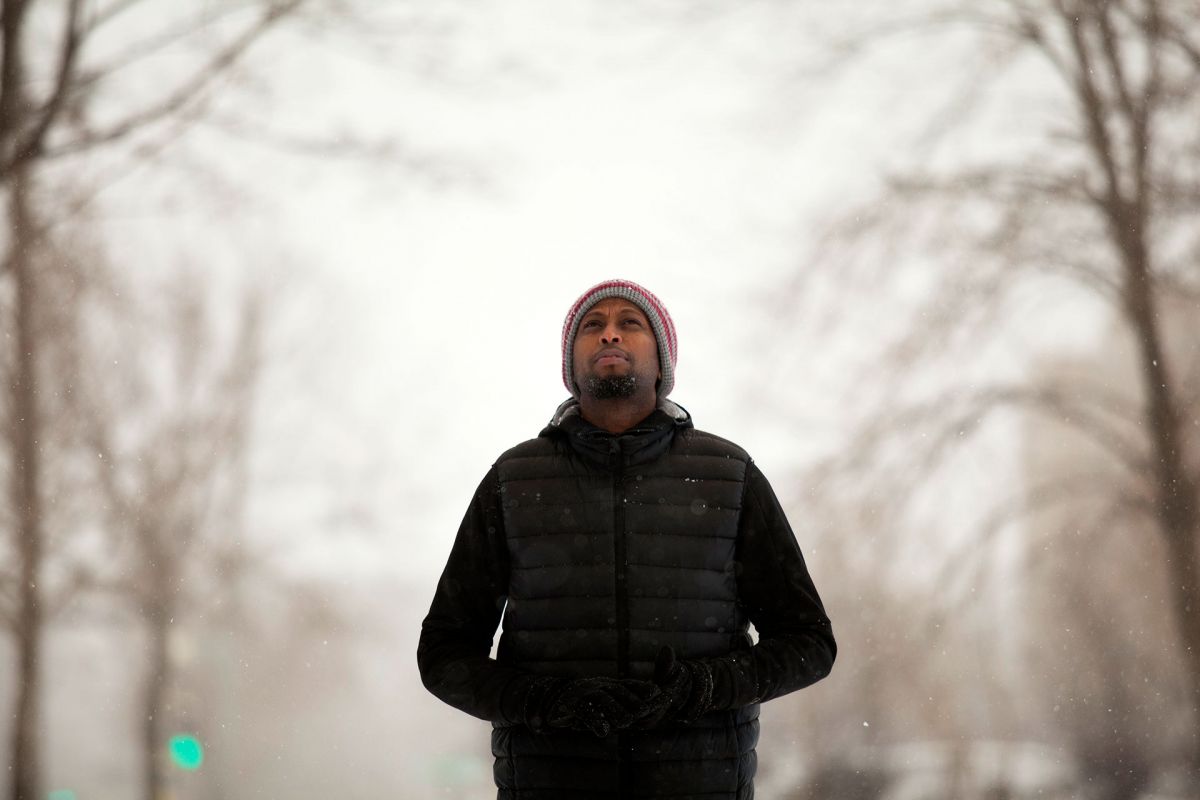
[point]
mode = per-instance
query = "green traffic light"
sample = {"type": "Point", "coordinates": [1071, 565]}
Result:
{"type": "Point", "coordinates": [186, 751]}
{"type": "Point", "coordinates": [61, 794]}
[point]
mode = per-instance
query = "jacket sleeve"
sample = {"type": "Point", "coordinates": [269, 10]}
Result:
{"type": "Point", "coordinates": [795, 645]}
{"type": "Point", "coordinates": [456, 635]}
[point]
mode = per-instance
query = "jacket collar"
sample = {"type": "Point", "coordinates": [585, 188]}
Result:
{"type": "Point", "coordinates": [570, 408]}
{"type": "Point", "coordinates": [645, 441]}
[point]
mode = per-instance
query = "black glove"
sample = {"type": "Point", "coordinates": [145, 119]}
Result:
{"type": "Point", "coordinates": [596, 705]}
{"type": "Point", "coordinates": [687, 685]}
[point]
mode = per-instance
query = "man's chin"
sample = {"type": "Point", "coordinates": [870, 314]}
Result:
{"type": "Point", "coordinates": [611, 387]}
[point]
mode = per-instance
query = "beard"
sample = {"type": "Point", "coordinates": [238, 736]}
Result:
{"type": "Point", "coordinates": [612, 388]}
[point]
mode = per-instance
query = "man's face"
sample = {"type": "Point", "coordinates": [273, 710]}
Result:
{"type": "Point", "coordinates": [615, 353]}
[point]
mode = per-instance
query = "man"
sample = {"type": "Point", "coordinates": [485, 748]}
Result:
{"type": "Point", "coordinates": [628, 552]}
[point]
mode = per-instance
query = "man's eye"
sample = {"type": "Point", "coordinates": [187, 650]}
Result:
{"type": "Point", "coordinates": [591, 323]}
{"type": "Point", "coordinates": [633, 322]}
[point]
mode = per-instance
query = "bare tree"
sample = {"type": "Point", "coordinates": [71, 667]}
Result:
{"type": "Point", "coordinates": [1100, 202]}
{"type": "Point", "coordinates": [168, 418]}
{"type": "Point", "coordinates": [47, 111]}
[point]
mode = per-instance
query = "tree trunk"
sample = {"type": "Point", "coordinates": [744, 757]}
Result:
{"type": "Point", "coordinates": [1175, 489]}
{"type": "Point", "coordinates": [24, 438]}
{"type": "Point", "coordinates": [1185, 578]}
{"type": "Point", "coordinates": [154, 777]}
{"type": "Point", "coordinates": [1128, 208]}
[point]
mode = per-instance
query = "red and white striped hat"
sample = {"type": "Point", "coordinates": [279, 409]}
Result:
{"type": "Point", "coordinates": [651, 306]}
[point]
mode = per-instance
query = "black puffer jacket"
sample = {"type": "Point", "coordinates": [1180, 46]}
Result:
{"type": "Point", "coordinates": [601, 548]}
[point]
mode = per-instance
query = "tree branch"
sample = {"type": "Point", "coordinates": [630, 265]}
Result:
{"type": "Point", "coordinates": [105, 15]}
{"type": "Point", "coordinates": [960, 413]}
{"type": "Point", "coordinates": [12, 78]}
{"type": "Point", "coordinates": [968, 563]}
{"type": "Point", "coordinates": [1134, 105]}
{"type": "Point", "coordinates": [1007, 183]}
{"type": "Point", "coordinates": [80, 579]}
{"type": "Point", "coordinates": [1113, 59]}
{"type": "Point", "coordinates": [31, 146]}
{"type": "Point", "coordinates": [1028, 28]}
{"type": "Point", "coordinates": [850, 44]}
{"type": "Point", "coordinates": [1088, 96]}
{"type": "Point", "coordinates": [138, 50]}
{"type": "Point", "coordinates": [121, 509]}
{"type": "Point", "coordinates": [1162, 29]}
{"type": "Point", "coordinates": [191, 89]}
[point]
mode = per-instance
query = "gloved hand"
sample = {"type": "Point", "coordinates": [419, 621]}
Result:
{"type": "Point", "coordinates": [687, 685]}
{"type": "Point", "coordinates": [597, 705]}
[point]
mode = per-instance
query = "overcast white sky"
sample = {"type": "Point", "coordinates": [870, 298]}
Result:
{"type": "Point", "coordinates": [622, 145]}
{"type": "Point", "coordinates": [418, 322]}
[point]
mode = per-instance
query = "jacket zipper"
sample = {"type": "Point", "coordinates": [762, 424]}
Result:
{"type": "Point", "coordinates": [624, 764]}
{"type": "Point", "coordinates": [619, 557]}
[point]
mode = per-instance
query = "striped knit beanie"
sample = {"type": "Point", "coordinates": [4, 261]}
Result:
{"type": "Point", "coordinates": [651, 306]}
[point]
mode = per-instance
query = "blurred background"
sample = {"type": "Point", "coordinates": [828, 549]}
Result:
{"type": "Point", "coordinates": [279, 279]}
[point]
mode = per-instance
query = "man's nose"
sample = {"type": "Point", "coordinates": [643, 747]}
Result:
{"type": "Point", "coordinates": [610, 335]}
